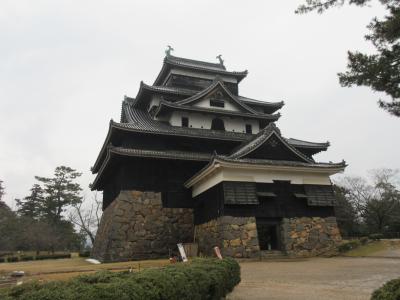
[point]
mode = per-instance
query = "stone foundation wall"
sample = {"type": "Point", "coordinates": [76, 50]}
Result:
{"type": "Point", "coordinates": [236, 237]}
{"type": "Point", "coordinates": [136, 226]}
{"type": "Point", "coordinates": [310, 236]}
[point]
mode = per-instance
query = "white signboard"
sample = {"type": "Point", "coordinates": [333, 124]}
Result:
{"type": "Point", "coordinates": [182, 252]}
{"type": "Point", "coordinates": [217, 252]}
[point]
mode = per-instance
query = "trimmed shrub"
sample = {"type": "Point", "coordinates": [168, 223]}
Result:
{"type": "Point", "coordinates": [389, 291]}
{"type": "Point", "coordinates": [200, 279]}
{"type": "Point", "coordinates": [84, 253]}
{"type": "Point", "coordinates": [12, 259]}
{"type": "Point", "coordinates": [27, 257]}
{"type": "Point", "coordinates": [376, 236]}
{"type": "Point", "coordinates": [2, 259]}
{"type": "Point", "coordinates": [349, 245]}
{"type": "Point", "coordinates": [53, 256]}
{"type": "Point", "coordinates": [3, 254]}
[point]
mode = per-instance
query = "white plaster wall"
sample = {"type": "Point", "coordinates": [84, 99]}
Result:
{"type": "Point", "coordinates": [262, 176]}
{"type": "Point", "coordinates": [197, 120]}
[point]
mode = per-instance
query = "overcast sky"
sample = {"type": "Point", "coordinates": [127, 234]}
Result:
{"type": "Point", "coordinates": [66, 65]}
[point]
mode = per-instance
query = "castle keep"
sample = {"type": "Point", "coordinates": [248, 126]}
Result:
{"type": "Point", "coordinates": [192, 160]}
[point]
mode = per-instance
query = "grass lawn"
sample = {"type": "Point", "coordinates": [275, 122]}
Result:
{"type": "Point", "coordinates": [61, 269]}
{"type": "Point", "coordinates": [374, 248]}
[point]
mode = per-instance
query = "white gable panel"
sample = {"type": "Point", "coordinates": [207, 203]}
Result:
{"type": "Point", "coordinates": [228, 105]}
{"type": "Point", "coordinates": [203, 121]}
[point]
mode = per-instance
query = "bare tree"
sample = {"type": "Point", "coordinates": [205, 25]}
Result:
{"type": "Point", "coordinates": [377, 201]}
{"type": "Point", "coordinates": [87, 219]}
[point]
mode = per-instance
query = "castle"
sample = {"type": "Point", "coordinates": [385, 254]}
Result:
{"type": "Point", "coordinates": [192, 160]}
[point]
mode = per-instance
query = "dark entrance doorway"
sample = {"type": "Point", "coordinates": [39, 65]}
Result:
{"type": "Point", "coordinates": [268, 234]}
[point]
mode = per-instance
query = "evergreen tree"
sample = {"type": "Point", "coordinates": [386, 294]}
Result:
{"type": "Point", "coordinates": [32, 205]}
{"type": "Point", "coordinates": [380, 71]}
{"type": "Point", "coordinates": [345, 212]}
{"type": "Point", "coordinates": [60, 191]}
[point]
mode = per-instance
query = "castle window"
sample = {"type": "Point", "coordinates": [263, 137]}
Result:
{"type": "Point", "coordinates": [217, 124]}
{"type": "Point", "coordinates": [185, 122]}
{"type": "Point", "coordinates": [217, 103]}
{"type": "Point", "coordinates": [248, 128]}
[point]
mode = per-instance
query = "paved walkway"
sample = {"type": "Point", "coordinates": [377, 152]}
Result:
{"type": "Point", "coordinates": [316, 278]}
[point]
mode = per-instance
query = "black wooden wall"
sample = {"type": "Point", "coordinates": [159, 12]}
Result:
{"type": "Point", "coordinates": [209, 204]}
{"type": "Point", "coordinates": [149, 174]}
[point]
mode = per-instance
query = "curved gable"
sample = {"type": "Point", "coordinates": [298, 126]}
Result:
{"type": "Point", "coordinates": [269, 144]}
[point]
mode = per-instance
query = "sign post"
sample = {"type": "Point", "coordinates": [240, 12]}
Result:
{"type": "Point", "coordinates": [182, 252]}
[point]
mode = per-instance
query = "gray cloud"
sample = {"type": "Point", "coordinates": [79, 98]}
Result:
{"type": "Point", "coordinates": [65, 66]}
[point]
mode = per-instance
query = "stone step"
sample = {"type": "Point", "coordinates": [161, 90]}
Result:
{"type": "Point", "coordinates": [272, 254]}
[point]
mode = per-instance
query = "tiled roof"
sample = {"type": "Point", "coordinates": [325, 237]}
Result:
{"type": "Point", "coordinates": [254, 161]}
{"type": "Point", "coordinates": [140, 120]}
{"type": "Point", "coordinates": [306, 144]}
{"type": "Point", "coordinates": [214, 68]}
{"type": "Point", "coordinates": [259, 102]}
{"type": "Point", "coordinates": [329, 167]}
{"type": "Point", "coordinates": [215, 85]}
{"type": "Point", "coordinates": [194, 63]}
{"type": "Point", "coordinates": [169, 89]}
{"type": "Point", "coordinates": [166, 154]}
{"type": "Point", "coordinates": [161, 154]}
{"type": "Point", "coordinates": [137, 120]}
{"type": "Point", "coordinates": [168, 105]}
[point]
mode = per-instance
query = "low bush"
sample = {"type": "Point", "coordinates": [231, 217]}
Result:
{"type": "Point", "coordinates": [389, 291]}
{"type": "Point", "coordinates": [200, 279]}
{"type": "Point", "coordinates": [376, 236]}
{"type": "Point", "coordinates": [349, 245]}
{"type": "Point", "coordinates": [53, 256]}
{"type": "Point", "coordinates": [2, 259]}
{"type": "Point", "coordinates": [3, 254]}
{"type": "Point", "coordinates": [84, 253]}
{"type": "Point", "coordinates": [12, 258]}
{"type": "Point", "coordinates": [27, 257]}
{"type": "Point", "coordinates": [364, 240]}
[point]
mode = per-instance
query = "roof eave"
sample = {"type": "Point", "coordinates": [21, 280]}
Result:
{"type": "Point", "coordinates": [99, 159]}
{"type": "Point", "coordinates": [220, 163]}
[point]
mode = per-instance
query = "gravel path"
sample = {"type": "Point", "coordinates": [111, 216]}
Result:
{"type": "Point", "coordinates": [316, 278]}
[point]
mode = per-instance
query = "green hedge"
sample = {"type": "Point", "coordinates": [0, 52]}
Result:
{"type": "Point", "coordinates": [200, 279]}
{"type": "Point", "coordinates": [85, 253]}
{"type": "Point", "coordinates": [389, 291]}
{"type": "Point", "coordinates": [53, 256]}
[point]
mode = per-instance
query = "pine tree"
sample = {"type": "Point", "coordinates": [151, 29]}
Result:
{"type": "Point", "coordinates": [380, 71]}
{"type": "Point", "coordinates": [60, 191]}
{"type": "Point", "coordinates": [31, 206]}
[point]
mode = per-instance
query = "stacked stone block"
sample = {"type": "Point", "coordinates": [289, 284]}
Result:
{"type": "Point", "coordinates": [304, 237]}
{"type": "Point", "coordinates": [235, 236]}
{"type": "Point", "coordinates": [136, 226]}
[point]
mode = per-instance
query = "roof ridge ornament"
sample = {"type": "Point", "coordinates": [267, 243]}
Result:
{"type": "Point", "coordinates": [221, 61]}
{"type": "Point", "coordinates": [168, 50]}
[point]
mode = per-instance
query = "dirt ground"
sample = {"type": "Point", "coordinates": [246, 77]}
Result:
{"type": "Point", "coordinates": [63, 269]}
{"type": "Point", "coordinates": [316, 278]}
